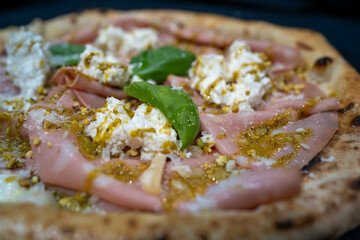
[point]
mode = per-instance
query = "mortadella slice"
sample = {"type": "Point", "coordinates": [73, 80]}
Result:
{"type": "Point", "coordinates": [248, 190]}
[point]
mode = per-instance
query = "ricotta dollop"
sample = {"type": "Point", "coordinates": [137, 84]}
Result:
{"type": "Point", "coordinates": [28, 65]}
{"type": "Point", "coordinates": [116, 41]}
{"type": "Point", "coordinates": [117, 126]}
{"type": "Point", "coordinates": [104, 68]}
{"type": "Point", "coordinates": [239, 82]}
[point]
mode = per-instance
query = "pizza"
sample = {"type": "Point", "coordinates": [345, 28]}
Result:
{"type": "Point", "coordinates": [175, 125]}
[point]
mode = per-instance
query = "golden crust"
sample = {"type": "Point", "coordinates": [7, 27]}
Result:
{"type": "Point", "coordinates": [327, 207]}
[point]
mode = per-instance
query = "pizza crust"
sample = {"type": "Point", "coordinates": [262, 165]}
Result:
{"type": "Point", "coordinates": [327, 206]}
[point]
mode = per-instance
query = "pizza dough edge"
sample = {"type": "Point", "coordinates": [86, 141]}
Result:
{"type": "Point", "coordinates": [327, 207]}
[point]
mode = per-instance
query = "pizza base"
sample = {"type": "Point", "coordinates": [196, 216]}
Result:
{"type": "Point", "coordinates": [328, 205]}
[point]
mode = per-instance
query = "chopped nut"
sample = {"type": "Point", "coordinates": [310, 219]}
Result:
{"type": "Point", "coordinates": [222, 160]}
{"type": "Point", "coordinates": [182, 155]}
{"type": "Point", "coordinates": [8, 131]}
{"type": "Point", "coordinates": [10, 179]}
{"type": "Point", "coordinates": [11, 163]}
{"type": "Point", "coordinates": [221, 136]}
{"type": "Point", "coordinates": [29, 154]}
{"type": "Point", "coordinates": [24, 182]}
{"type": "Point", "coordinates": [207, 149]}
{"type": "Point", "coordinates": [83, 110]}
{"type": "Point", "coordinates": [76, 106]}
{"type": "Point", "coordinates": [132, 152]}
{"type": "Point", "coordinates": [64, 201]}
{"type": "Point", "coordinates": [35, 179]}
{"type": "Point", "coordinates": [36, 141]}
{"type": "Point", "coordinates": [225, 109]}
{"type": "Point", "coordinates": [200, 143]}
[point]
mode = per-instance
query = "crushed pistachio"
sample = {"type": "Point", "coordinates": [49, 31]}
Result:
{"type": "Point", "coordinates": [36, 141]}
{"type": "Point", "coordinates": [222, 160]}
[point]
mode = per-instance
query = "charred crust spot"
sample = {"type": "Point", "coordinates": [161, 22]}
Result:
{"type": "Point", "coordinates": [356, 148]}
{"type": "Point", "coordinates": [331, 207]}
{"type": "Point", "coordinates": [103, 10]}
{"type": "Point", "coordinates": [246, 32]}
{"type": "Point", "coordinates": [67, 230]}
{"type": "Point", "coordinates": [132, 223]}
{"type": "Point", "coordinates": [74, 19]}
{"type": "Point", "coordinates": [356, 121]}
{"type": "Point", "coordinates": [106, 220]}
{"type": "Point", "coordinates": [347, 108]}
{"type": "Point", "coordinates": [323, 62]}
{"type": "Point", "coordinates": [30, 235]}
{"type": "Point", "coordinates": [202, 236]}
{"type": "Point", "coordinates": [304, 46]}
{"type": "Point", "coordinates": [355, 184]}
{"type": "Point", "coordinates": [284, 224]}
{"type": "Point", "coordinates": [162, 237]}
{"type": "Point", "coordinates": [353, 197]}
{"type": "Point", "coordinates": [214, 224]}
{"type": "Point", "coordinates": [310, 165]}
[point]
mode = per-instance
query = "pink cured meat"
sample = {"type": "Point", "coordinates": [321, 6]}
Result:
{"type": "Point", "coordinates": [284, 58]}
{"type": "Point", "coordinates": [89, 100]}
{"type": "Point", "coordinates": [70, 77]}
{"type": "Point", "coordinates": [6, 85]}
{"type": "Point", "coordinates": [81, 36]}
{"type": "Point", "coordinates": [85, 99]}
{"type": "Point", "coordinates": [63, 165]}
{"type": "Point", "coordinates": [192, 162]}
{"type": "Point", "coordinates": [324, 125]}
{"type": "Point", "coordinates": [184, 82]}
{"type": "Point", "coordinates": [128, 24]}
{"type": "Point", "coordinates": [327, 104]}
{"type": "Point", "coordinates": [248, 190]}
{"type": "Point", "coordinates": [231, 124]}
{"type": "Point", "coordinates": [196, 34]}
{"type": "Point", "coordinates": [311, 90]}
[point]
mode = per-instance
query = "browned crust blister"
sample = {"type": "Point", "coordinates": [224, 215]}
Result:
{"type": "Point", "coordinates": [328, 206]}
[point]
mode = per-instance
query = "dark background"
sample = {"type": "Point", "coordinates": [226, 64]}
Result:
{"type": "Point", "coordinates": [339, 21]}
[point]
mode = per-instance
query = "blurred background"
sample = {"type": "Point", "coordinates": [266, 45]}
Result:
{"type": "Point", "coordinates": [339, 21]}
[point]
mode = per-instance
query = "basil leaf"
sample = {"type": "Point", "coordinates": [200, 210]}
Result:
{"type": "Point", "coordinates": [65, 54]}
{"type": "Point", "coordinates": [159, 63]}
{"type": "Point", "coordinates": [175, 104]}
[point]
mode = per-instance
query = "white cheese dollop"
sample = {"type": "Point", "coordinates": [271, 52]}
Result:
{"type": "Point", "coordinates": [114, 40]}
{"type": "Point", "coordinates": [240, 82]}
{"type": "Point", "coordinates": [146, 128]}
{"type": "Point", "coordinates": [28, 65]}
{"type": "Point", "coordinates": [104, 68]}
{"type": "Point", "coordinates": [11, 191]}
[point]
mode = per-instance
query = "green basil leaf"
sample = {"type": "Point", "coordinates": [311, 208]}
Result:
{"type": "Point", "coordinates": [175, 104]}
{"type": "Point", "coordinates": [65, 54]}
{"type": "Point", "coordinates": [159, 63]}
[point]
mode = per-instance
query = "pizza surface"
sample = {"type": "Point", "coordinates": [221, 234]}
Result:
{"type": "Point", "coordinates": [329, 200]}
